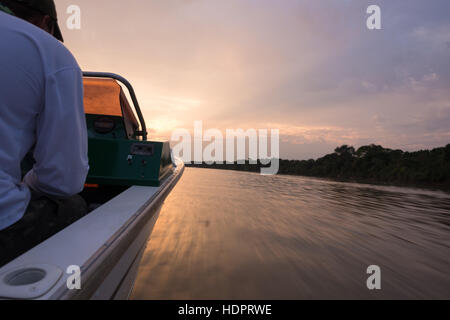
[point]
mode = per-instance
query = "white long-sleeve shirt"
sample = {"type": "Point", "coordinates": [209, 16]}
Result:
{"type": "Point", "coordinates": [41, 109]}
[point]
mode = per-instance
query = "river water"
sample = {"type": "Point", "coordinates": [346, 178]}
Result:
{"type": "Point", "coordinates": [235, 235]}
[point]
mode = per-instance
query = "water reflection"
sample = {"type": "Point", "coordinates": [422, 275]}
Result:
{"type": "Point", "coordinates": [233, 235]}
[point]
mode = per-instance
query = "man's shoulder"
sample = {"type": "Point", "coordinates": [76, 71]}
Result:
{"type": "Point", "coordinates": [57, 56]}
{"type": "Point", "coordinates": [53, 53]}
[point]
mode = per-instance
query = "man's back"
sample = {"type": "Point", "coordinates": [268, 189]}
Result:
{"type": "Point", "coordinates": [41, 108]}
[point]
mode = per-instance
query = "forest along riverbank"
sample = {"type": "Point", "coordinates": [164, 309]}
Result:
{"type": "Point", "coordinates": [369, 164]}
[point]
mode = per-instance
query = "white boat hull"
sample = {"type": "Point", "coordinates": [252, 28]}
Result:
{"type": "Point", "coordinates": [107, 245]}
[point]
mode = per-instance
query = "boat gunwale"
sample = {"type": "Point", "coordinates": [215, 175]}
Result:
{"type": "Point", "coordinates": [95, 270]}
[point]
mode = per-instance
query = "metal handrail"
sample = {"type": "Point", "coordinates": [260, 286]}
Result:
{"type": "Point", "coordinates": [127, 84]}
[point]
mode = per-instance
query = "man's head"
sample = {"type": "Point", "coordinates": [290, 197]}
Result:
{"type": "Point", "coordinates": [41, 13]}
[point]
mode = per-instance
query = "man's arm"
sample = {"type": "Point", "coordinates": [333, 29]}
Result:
{"type": "Point", "coordinates": [61, 146]}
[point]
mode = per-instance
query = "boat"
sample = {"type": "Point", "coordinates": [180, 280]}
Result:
{"type": "Point", "coordinates": [97, 257]}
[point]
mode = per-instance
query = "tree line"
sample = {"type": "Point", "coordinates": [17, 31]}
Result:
{"type": "Point", "coordinates": [373, 164]}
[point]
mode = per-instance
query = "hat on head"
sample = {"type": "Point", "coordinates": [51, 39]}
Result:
{"type": "Point", "coordinates": [46, 7]}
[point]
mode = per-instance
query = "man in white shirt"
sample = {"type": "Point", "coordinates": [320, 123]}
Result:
{"type": "Point", "coordinates": [42, 112]}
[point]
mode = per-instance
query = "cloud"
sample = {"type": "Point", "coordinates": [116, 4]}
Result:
{"type": "Point", "coordinates": [310, 67]}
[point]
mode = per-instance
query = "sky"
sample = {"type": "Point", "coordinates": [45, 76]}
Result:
{"type": "Point", "coordinates": [310, 68]}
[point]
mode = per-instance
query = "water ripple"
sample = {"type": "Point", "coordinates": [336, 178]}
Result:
{"type": "Point", "coordinates": [233, 235]}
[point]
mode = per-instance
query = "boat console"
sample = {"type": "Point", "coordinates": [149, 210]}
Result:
{"type": "Point", "coordinates": [119, 153]}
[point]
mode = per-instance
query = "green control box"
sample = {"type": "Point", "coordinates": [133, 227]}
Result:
{"type": "Point", "coordinates": [115, 159]}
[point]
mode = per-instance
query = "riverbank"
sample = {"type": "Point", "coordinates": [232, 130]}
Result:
{"type": "Point", "coordinates": [430, 186]}
{"type": "Point", "coordinates": [369, 164]}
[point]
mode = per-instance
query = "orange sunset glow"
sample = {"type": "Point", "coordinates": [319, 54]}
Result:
{"type": "Point", "coordinates": [308, 68]}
